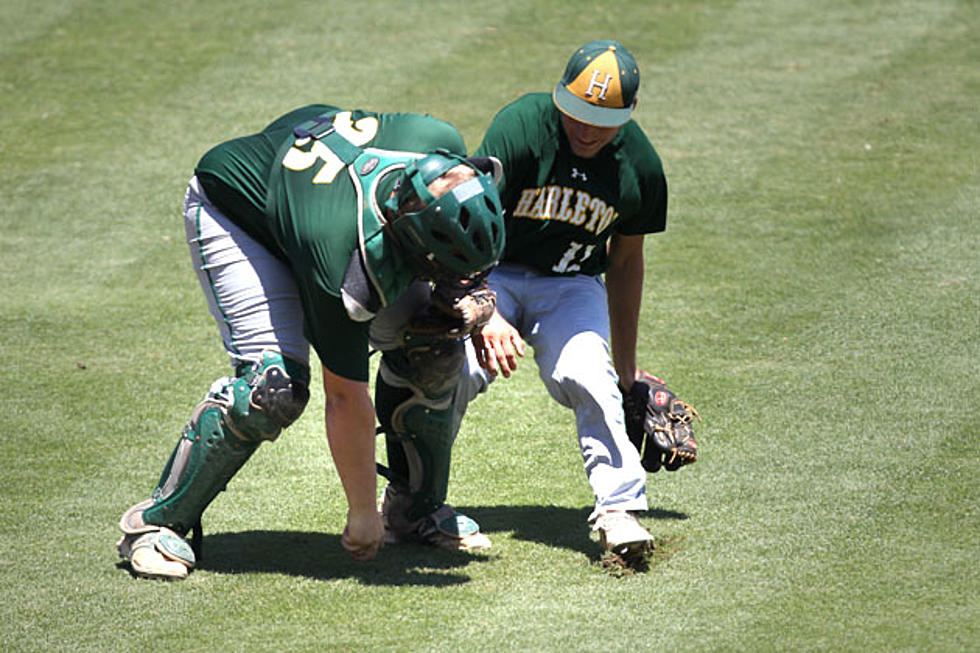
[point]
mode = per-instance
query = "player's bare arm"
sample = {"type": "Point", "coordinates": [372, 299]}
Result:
{"type": "Point", "coordinates": [498, 346]}
{"type": "Point", "coordinates": [350, 433]}
{"type": "Point", "coordinates": [624, 284]}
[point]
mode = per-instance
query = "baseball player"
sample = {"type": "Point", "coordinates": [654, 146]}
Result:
{"type": "Point", "coordinates": [581, 187]}
{"type": "Point", "coordinates": [318, 230]}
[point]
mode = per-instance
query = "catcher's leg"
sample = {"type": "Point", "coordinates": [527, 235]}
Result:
{"type": "Point", "coordinates": [254, 300]}
{"type": "Point", "coordinates": [224, 431]}
{"type": "Point", "coordinates": [413, 399]}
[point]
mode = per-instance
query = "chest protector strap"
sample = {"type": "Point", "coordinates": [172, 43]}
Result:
{"type": "Point", "coordinates": [381, 265]}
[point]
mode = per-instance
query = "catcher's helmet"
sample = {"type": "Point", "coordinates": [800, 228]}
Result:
{"type": "Point", "coordinates": [462, 231]}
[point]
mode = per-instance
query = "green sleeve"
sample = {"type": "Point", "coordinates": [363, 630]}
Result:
{"type": "Point", "coordinates": [652, 216]}
{"type": "Point", "coordinates": [339, 342]}
{"type": "Point", "coordinates": [642, 177]}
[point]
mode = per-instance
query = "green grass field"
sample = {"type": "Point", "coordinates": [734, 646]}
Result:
{"type": "Point", "coordinates": [816, 296]}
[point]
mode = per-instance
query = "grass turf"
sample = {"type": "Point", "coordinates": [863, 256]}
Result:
{"type": "Point", "coordinates": [815, 296]}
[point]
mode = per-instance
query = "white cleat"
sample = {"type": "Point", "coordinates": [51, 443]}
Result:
{"type": "Point", "coordinates": [620, 533]}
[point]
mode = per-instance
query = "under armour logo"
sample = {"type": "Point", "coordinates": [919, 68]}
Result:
{"type": "Point", "coordinates": [595, 83]}
{"type": "Point", "coordinates": [576, 174]}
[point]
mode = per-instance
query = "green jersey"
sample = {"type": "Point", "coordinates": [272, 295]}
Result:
{"type": "Point", "coordinates": [560, 209]}
{"type": "Point", "coordinates": [316, 202]}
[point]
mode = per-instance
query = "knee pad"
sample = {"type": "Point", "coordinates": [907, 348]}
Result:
{"type": "Point", "coordinates": [431, 367]}
{"type": "Point", "coordinates": [266, 397]}
{"type": "Point", "coordinates": [225, 429]}
{"type": "Point", "coordinates": [414, 406]}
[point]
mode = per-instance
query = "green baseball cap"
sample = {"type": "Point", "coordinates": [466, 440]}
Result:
{"type": "Point", "coordinates": [599, 85]}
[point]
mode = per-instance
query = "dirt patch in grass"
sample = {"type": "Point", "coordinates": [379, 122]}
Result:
{"type": "Point", "coordinates": [620, 567]}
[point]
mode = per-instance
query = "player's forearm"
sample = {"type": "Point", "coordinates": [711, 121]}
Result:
{"type": "Point", "coordinates": [351, 435]}
{"type": "Point", "coordinates": [624, 283]}
{"type": "Point", "coordinates": [623, 317]}
{"type": "Point", "coordinates": [351, 439]}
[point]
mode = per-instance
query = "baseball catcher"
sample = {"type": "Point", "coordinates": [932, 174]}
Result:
{"type": "Point", "coordinates": [659, 424]}
{"type": "Point", "coordinates": [309, 234]}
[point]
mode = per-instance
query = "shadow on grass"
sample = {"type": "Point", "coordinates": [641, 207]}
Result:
{"type": "Point", "coordinates": [320, 556]}
{"type": "Point", "coordinates": [551, 525]}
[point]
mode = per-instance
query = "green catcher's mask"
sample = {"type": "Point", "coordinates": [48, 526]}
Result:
{"type": "Point", "coordinates": [461, 232]}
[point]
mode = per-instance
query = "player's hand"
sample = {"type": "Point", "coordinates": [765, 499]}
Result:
{"type": "Point", "coordinates": [364, 534]}
{"type": "Point", "coordinates": [498, 345]}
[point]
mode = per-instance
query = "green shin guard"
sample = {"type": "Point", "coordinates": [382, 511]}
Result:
{"type": "Point", "coordinates": [224, 431]}
{"type": "Point", "coordinates": [418, 449]}
{"type": "Point", "coordinates": [206, 457]}
{"type": "Point", "coordinates": [418, 437]}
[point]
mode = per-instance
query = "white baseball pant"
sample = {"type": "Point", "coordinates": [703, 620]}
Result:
{"type": "Point", "coordinates": [565, 320]}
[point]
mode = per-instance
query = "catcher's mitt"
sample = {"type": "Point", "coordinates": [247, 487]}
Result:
{"type": "Point", "coordinates": [659, 424]}
{"type": "Point", "coordinates": [456, 311]}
